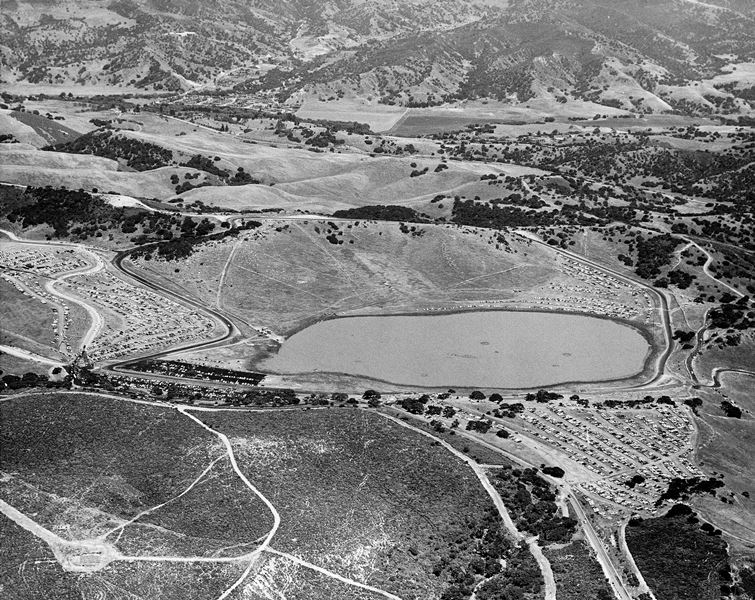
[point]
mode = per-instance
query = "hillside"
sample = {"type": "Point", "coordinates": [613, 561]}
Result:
{"type": "Point", "coordinates": [674, 55]}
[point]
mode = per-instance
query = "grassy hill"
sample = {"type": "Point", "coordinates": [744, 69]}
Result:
{"type": "Point", "coordinates": [285, 274]}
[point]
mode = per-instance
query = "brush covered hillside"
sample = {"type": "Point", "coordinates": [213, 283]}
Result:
{"type": "Point", "coordinates": [687, 56]}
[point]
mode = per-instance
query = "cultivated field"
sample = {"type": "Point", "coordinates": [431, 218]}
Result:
{"type": "Point", "coordinates": [378, 116]}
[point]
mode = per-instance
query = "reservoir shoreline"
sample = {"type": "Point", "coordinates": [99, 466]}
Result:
{"type": "Point", "coordinates": [655, 347]}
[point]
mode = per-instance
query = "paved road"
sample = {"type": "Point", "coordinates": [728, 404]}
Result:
{"type": "Point", "coordinates": [610, 571]}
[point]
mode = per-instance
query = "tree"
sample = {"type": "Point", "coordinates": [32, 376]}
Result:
{"type": "Point", "coordinates": [495, 397]}
{"type": "Point", "coordinates": [449, 412]}
{"type": "Point", "coordinates": [368, 394]}
{"type": "Point", "coordinates": [477, 395]}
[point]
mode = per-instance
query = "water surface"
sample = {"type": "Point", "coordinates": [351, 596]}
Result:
{"type": "Point", "coordinates": [495, 349]}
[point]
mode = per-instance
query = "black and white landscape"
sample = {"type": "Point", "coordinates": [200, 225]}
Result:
{"type": "Point", "coordinates": [368, 299]}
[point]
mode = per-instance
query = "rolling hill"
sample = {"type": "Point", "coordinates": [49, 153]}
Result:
{"type": "Point", "coordinates": [687, 56]}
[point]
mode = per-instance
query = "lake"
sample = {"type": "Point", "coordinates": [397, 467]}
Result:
{"type": "Point", "coordinates": [494, 349]}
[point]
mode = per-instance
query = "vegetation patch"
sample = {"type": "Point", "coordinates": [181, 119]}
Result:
{"type": "Point", "coordinates": [116, 457]}
{"type": "Point", "coordinates": [680, 559]}
{"type": "Point", "coordinates": [369, 499]}
{"type": "Point", "coordinates": [137, 154]}
{"type": "Point", "coordinates": [531, 502]}
{"type": "Point", "coordinates": [578, 575]}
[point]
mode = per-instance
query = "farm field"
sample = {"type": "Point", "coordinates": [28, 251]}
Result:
{"type": "Point", "coordinates": [379, 117]}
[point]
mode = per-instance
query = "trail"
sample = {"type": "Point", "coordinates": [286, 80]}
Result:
{"type": "Point", "coordinates": [276, 516]}
{"type": "Point", "coordinates": [224, 273]}
{"type": "Point", "coordinates": [336, 263]}
{"type": "Point", "coordinates": [543, 563]}
{"type": "Point", "coordinates": [154, 508]}
{"type": "Point", "coordinates": [489, 275]}
{"type": "Point", "coordinates": [31, 526]}
{"type": "Point", "coordinates": [25, 354]}
{"type": "Point", "coordinates": [309, 565]}
{"type": "Point", "coordinates": [706, 268]}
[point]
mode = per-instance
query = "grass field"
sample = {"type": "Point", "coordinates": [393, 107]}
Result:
{"type": "Point", "coordinates": [741, 356]}
{"type": "Point", "coordinates": [25, 323]}
{"type": "Point", "coordinates": [379, 117]}
{"type": "Point", "coordinates": [22, 133]}
{"type": "Point", "coordinates": [361, 496]}
{"type": "Point", "coordinates": [54, 132]}
{"type": "Point", "coordinates": [725, 447]}
{"type": "Point", "coordinates": [285, 279]}
{"type": "Point", "coordinates": [18, 366]}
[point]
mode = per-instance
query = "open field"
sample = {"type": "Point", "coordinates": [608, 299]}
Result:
{"type": "Point", "coordinates": [360, 496]}
{"type": "Point", "coordinates": [423, 121]}
{"type": "Point", "coordinates": [52, 131]}
{"type": "Point", "coordinates": [15, 365]}
{"type": "Point", "coordinates": [20, 132]}
{"type": "Point", "coordinates": [713, 356]}
{"type": "Point", "coordinates": [379, 117]}
{"type": "Point", "coordinates": [725, 447]}
{"type": "Point", "coordinates": [74, 171]}
{"type": "Point", "coordinates": [25, 323]}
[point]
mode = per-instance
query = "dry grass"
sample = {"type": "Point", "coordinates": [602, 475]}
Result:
{"type": "Point", "coordinates": [378, 117]}
{"type": "Point", "coordinates": [25, 322]}
{"type": "Point", "coordinates": [285, 279]}
{"type": "Point", "coordinates": [726, 448]}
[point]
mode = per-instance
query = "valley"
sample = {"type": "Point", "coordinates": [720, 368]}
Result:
{"type": "Point", "coordinates": [421, 301]}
